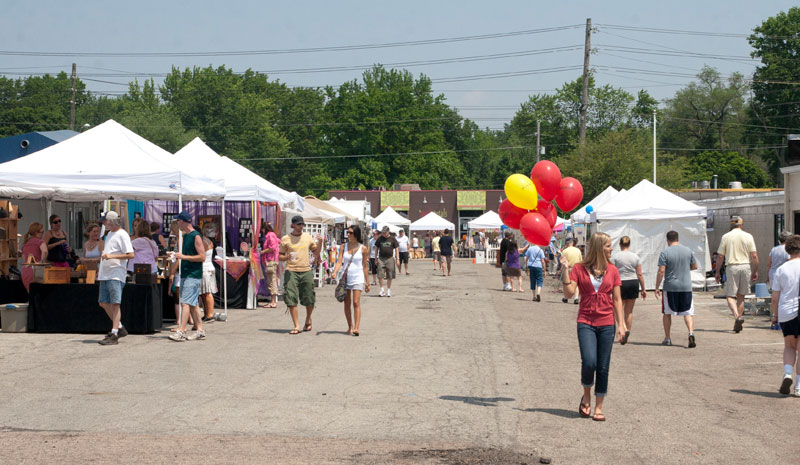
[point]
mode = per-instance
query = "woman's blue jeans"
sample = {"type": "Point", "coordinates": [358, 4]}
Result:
{"type": "Point", "coordinates": [537, 278]}
{"type": "Point", "coordinates": [595, 343]}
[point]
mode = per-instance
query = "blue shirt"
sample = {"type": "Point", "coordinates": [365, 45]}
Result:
{"type": "Point", "coordinates": [535, 256]}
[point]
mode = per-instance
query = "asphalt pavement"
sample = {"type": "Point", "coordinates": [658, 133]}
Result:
{"type": "Point", "coordinates": [447, 370]}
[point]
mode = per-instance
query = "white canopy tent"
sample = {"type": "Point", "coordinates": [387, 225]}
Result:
{"type": "Point", "coordinates": [489, 220]}
{"type": "Point", "coordinates": [581, 216]}
{"type": "Point", "coordinates": [107, 160]}
{"type": "Point", "coordinates": [390, 216]}
{"type": "Point", "coordinates": [646, 213]}
{"type": "Point", "coordinates": [241, 184]}
{"type": "Point", "coordinates": [356, 208]}
{"type": "Point", "coordinates": [431, 222]}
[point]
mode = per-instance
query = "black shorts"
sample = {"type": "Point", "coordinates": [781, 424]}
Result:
{"type": "Point", "coordinates": [629, 289]}
{"type": "Point", "coordinates": [403, 257]}
{"type": "Point", "coordinates": [791, 327]}
{"type": "Point", "coordinates": [373, 266]}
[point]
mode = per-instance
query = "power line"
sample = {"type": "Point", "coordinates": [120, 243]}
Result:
{"type": "Point", "coordinates": [434, 152]}
{"type": "Point", "coordinates": [339, 48]}
{"type": "Point", "coordinates": [694, 33]}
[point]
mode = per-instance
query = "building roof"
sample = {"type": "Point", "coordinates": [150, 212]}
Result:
{"type": "Point", "coordinates": [13, 147]}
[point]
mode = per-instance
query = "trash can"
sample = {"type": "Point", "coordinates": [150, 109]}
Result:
{"type": "Point", "coordinates": [14, 318]}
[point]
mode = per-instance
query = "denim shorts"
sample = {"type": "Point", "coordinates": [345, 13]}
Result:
{"type": "Point", "coordinates": [190, 291]}
{"type": "Point", "coordinates": [111, 291]}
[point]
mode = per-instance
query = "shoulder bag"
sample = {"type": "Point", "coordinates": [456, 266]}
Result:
{"type": "Point", "coordinates": [341, 288]}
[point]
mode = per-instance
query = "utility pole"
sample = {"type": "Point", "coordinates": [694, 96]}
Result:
{"type": "Point", "coordinates": [587, 50]}
{"type": "Point", "coordinates": [538, 146]}
{"type": "Point", "coordinates": [654, 147]}
{"type": "Point", "coordinates": [72, 98]}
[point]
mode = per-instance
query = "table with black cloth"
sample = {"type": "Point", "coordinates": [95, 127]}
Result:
{"type": "Point", "coordinates": [73, 308]}
{"type": "Point", "coordinates": [237, 289]}
{"type": "Point", "coordinates": [12, 291]}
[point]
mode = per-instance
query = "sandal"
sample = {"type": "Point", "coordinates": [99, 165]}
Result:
{"type": "Point", "coordinates": [585, 413]}
{"type": "Point", "coordinates": [599, 417]}
{"type": "Point", "coordinates": [355, 333]}
{"type": "Point", "coordinates": [307, 327]}
{"type": "Point", "coordinates": [624, 339]}
{"type": "Point", "coordinates": [294, 331]}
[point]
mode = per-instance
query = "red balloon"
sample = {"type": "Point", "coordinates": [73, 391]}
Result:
{"type": "Point", "coordinates": [548, 211]}
{"type": "Point", "coordinates": [510, 214]}
{"type": "Point", "coordinates": [535, 228]}
{"type": "Point", "coordinates": [547, 178]}
{"type": "Point", "coordinates": [570, 195]}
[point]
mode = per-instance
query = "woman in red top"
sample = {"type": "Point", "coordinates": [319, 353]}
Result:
{"type": "Point", "coordinates": [601, 303]}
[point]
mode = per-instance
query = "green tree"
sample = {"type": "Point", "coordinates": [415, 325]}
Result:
{"type": "Point", "coordinates": [707, 113]}
{"type": "Point", "coordinates": [775, 105]}
{"type": "Point", "coordinates": [37, 103]}
{"type": "Point", "coordinates": [729, 166]}
{"type": "Point", "coordinates": [610, 109]}
{"type": "Point", "coordinates": [621, 159]}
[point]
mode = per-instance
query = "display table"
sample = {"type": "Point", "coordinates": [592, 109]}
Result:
{"type": "Point", "coordinates": [73, 308]}
{"type": "Point", "coordinates": [12, 291]}
{"type": "Point", "coordinates": [237, 286]}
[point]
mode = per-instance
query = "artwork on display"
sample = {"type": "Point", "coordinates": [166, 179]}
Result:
{"type": "Point", "coordinates": [166, 220]}
{"type": "Point", "coordinates": [710, 220]}
{"type": "Point", "coordinates": [245, 229]}
{"type": "Point", "coordinates": [210, 227]}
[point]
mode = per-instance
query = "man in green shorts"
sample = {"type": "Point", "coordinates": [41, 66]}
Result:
{"type": "Point", "coordinates": [298, 281]}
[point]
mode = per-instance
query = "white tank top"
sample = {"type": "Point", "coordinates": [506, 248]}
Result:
{"type": "Point", "coordinates": [93, 253]}
{"type": "Point", "coordinates": [355, 274]}
{"type": "Point", "coordinates": [208, 265]}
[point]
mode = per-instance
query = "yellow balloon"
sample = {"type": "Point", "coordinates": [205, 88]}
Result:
{"type": "Point", "coordinates": [521, 191]}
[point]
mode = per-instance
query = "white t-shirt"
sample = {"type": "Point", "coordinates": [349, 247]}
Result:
{"type": "Point", "coordinates": [402, 243]}
{"type": "Point", "coordinates": [787, 281]}
{"type": "Point", "coordinates": [373, 251]}
{"type": "Point", "coordinates": [118, 242]}
{"type": "Point", "coordinates": [415, 242]}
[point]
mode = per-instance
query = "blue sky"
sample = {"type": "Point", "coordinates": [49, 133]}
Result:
{"type": "Point", "coordinates": [151, 26]}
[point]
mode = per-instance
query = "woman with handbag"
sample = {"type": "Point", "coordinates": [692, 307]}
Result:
{"type": "Point", "coordinates": [353, 279]}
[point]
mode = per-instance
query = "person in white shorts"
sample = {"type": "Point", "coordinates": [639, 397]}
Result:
{"type": "Point", "coordinates": [675, 265]}
{"type": "Point", "coordinates": [785, 296]}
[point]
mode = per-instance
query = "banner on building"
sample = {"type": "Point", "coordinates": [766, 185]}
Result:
{"type": "Point", "coordinates": [471, 200]}
{"type": "Point", "coordinates": [399, 200]}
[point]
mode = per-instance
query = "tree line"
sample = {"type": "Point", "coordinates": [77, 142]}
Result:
{"type": "Point", "coordinates": [390, 127]}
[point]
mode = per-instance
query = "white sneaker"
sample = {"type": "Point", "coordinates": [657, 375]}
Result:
{"type": "Point", "coordinates": [796, 392]}
{"type": "Point", "coordinates": [197, 336]}
{"type": "Point", "coordinates": [388, 293]}
{"type": "Point", "coordinates": [177, 336]}
{"type": "Point", "coordinates": [507, 287]}
{"type": "Point", "coordinates": [383, 293]}
{"type": "Point", "coordinates": [786, 384]}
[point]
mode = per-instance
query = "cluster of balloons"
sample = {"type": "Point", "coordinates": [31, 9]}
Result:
{"type": "Point", "coordinates": [535, 217]}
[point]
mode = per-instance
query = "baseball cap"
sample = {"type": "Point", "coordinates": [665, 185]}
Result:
{"type": "Point", "coordinates": [385, 229]}
{"type": "Point", "coordinates": [111, 215]}
{"type": "Point", "coordinates": [184, 216]}
{"type": "Point", "coordinates": [736, 220]}
{"type": "Point", "coordinates": [297, 219]}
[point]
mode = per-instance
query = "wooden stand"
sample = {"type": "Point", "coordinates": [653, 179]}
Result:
{"type": "Point", "coordinates": [9, 243]}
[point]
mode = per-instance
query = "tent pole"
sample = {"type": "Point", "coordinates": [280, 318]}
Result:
{"type": "Point", "coordinates": [180, 247]}
{"type": "Point", "coordinates": [224, 263]}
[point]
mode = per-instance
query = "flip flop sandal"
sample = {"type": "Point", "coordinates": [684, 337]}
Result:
{"type": "Point", "coordinates": [588, 407]}
{"type": "Point", "coordinates": [307, 327]}
{"type": "Point", "coordinates": [599, 417]}
{"type": "Point", "coordinates": [294, 331]}
{"type": "Point", "coordinates": [625, 338]}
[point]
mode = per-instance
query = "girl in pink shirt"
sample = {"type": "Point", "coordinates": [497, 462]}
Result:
{"type": "Point", "coordinates": [601, 304]}
{"type": "Point", "coordinates": [269, 258]}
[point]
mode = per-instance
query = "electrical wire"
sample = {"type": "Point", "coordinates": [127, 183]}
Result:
{"type": "Point", "coordinates": [339, 48]}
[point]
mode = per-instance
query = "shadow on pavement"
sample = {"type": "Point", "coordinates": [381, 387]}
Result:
{"type": "Point", "coordinates": [344, 333]}
{"type": "Point", "coordinates": [559, 412]}
{"type": "Point", "coordinates": [773, 395]}
{"type": "Point", "coordinates": [654, 344]}
{"type": "Point", "coordinates": [714, 331]}
{"type": "Point", "coordinates": [482, 401]}
{"type": "Point", "coordinates": [277, 331]}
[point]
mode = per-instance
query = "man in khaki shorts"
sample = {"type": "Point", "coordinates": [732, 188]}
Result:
{"type": "Point", "coordinates": [739, 248]}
